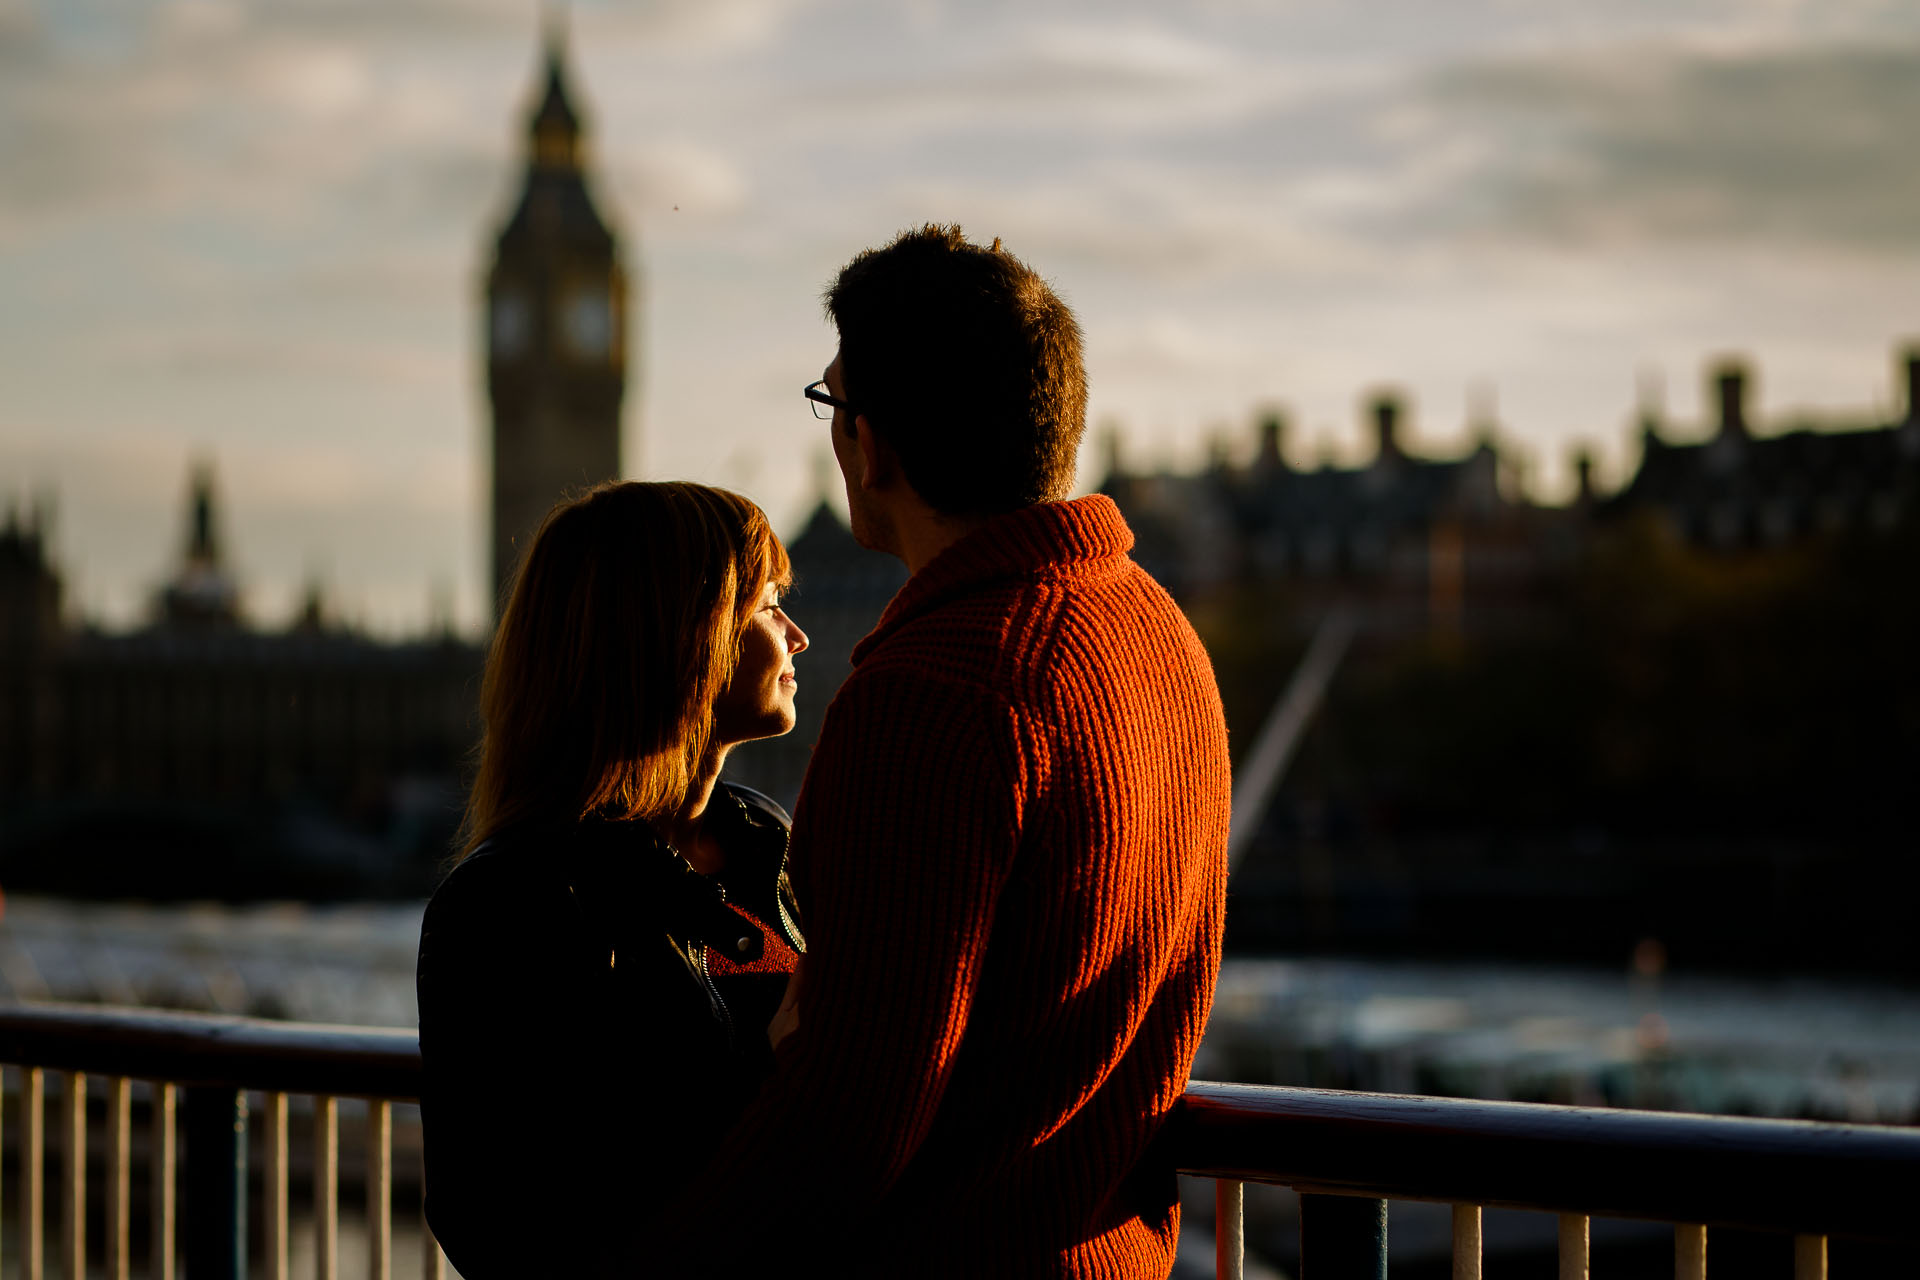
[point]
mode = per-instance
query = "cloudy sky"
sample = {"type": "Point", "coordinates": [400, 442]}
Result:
{"type": "Point", "coordinates": [252, 230]}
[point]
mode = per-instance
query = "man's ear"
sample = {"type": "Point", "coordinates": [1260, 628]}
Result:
{"type": "Point", "coordinates": [879, 465]}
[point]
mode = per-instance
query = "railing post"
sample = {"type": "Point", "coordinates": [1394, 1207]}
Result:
{"type": "Point", "coordinates": [274, 1217]}
{"type": "Point", "coordinates": [215, 1190]}
{"type": "Point", "coordinates": [166, 1153]}
{"type": "Point", "coordinates": [326, 1187]}
{"type": "Point", "coordinates": [1809, 1258]}
{"type": "Point", "coordinates": [32, 1204]}
{"type": "Point", "coordinates": [73, 1195]}
{"type": "Point", "coordinates": [1689, 1251]}
{"type": "Point", "coordinates": [119, 1178]}
{"type": "Point", "coordinates": [1229, 1229]}
{"type": "Point", "coordinates": [1575, 1246]}
{"type": "Point", "coordinates": [379, 1189]}
{"type": "Point", "coordinates": [1342, 1238]}
{"type": "Point", "coordinates": [1466, 1242]}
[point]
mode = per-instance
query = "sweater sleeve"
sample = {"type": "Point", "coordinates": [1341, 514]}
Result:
{"type": "Point", "coordinates": [905, 833]}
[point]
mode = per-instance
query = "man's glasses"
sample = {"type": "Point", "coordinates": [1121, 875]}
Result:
{"type": "Point", "coordinates": [824, 404]}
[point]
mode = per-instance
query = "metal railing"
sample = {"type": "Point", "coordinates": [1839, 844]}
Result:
{"type": "Point", "coordinates": [1346, 1153]}
{"type": "Point", "coordinates": [1350, 1153]}
{"type": "Point", "coordinates": [195, 1074]}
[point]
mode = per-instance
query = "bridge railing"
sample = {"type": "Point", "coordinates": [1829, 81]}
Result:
{"type": "Point", "coordinates": [1348, 1154]}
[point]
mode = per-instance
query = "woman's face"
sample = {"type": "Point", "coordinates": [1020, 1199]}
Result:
{"type": "Point", "coordinates": [758, 701]}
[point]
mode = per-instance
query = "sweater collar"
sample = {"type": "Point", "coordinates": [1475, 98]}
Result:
{"type": "Point", "coordinates": [1046, 538]}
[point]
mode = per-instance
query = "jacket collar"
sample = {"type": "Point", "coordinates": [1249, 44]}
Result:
{"type": "Point", "coordinates": [630, 857]}
{"type": "Point", "coordinates": [598, 848]}
{"type": "Point", "coordinates": [1044, 540]}
{"type": "Point", "coordinates": [625, 873]}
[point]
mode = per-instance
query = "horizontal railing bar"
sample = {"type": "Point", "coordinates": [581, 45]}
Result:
{"type": "Point", "coordinates": [1769, 1175]}
{"type": "Point", "coordinates": [206, 1049]}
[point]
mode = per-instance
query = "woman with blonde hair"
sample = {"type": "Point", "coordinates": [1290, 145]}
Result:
{"type": "Point", "coordinates": [598, 971]}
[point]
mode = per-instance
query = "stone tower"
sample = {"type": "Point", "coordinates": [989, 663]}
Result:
{"type": "Point", "coordinates": [202, 592]}
{"type": "Point", "coordinates": [556, 326]}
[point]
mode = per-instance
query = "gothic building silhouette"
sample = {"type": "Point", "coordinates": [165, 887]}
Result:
{"type": "Point", "coordinates": [556, 332]}
{"type": "Point", "coordinates": [199, 755]}
{"type": "Point", "coordinates": [201, 751]}
{"type": "Point", "coordinates": [203, 591]}
{"type": "Point", "coordinates": [1733, 487]}
{"type": "Point", "coordinates": [1453, 545]}
{"type": "Point", "coordinates": [311, 757]}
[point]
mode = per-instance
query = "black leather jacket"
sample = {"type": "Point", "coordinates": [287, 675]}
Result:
{"type": "Point", "coordinates": [583, 1055]}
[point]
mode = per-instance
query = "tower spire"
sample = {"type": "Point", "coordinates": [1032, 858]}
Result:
{"type": "Point", "coordinates": [203, 535]}
{"type": "Point", "coordinates": [202, 592]}
{"type": "Point", "coordinates": [556, 324]}
{"type": "Point", "coordinates": [555, 125]}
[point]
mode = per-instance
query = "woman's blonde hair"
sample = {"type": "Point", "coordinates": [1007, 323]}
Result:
{"type": "Point", "coordinates": [620, 629]}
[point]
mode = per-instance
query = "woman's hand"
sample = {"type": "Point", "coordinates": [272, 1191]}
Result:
{"type": "Point", "coordinates": [787, 1017]}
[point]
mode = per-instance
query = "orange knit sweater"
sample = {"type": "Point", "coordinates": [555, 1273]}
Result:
{"type": "Point", "coordinates": [1010, 854]}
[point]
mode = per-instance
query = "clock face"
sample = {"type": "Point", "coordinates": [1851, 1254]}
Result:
{"type": "Point", "coordinates": [512, 325]}
{"type": "Point", "coordinates": [588, 322]}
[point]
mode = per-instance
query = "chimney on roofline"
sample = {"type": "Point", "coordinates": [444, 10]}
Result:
{"type": "Point", "coordinates": [1730, 379]}
{"type": "Point", "coordinates": [1269, 455]}
{"type": "Point", "coordinates": [1913, 384]}
{"type": "Point", "coordinates": [1583, 469]}
{"type": "Point", "coordinates": [1386, 425]}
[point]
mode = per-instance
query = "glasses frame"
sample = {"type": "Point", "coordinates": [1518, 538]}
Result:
{"type": "Point", "coordinates": [817, 393]}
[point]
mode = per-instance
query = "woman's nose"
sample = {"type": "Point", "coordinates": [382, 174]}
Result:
{"type": "Point", "coordinates": [796, 638]}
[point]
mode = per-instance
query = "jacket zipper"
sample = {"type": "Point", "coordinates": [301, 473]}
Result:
{"type": "Point", "coordinates": [706, 976]}
{"type": "Point", "coordinates": [786, 922]}
{"type": "Point", "coordinates": [713, 993]}
{"type": "Point", "coordinates": [787, 925]}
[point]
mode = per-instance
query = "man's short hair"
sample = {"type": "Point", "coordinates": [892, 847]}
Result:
{"type": "Point", "coordinates": [967, 364]}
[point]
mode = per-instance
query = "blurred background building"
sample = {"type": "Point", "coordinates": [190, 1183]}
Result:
{"type": "Point", "coordinates": [1798, 481]}
{"type": "Point", "coordinates": [202, 755]}
{"type": "Point", "coordinates": [557, 333]}
{"type": "Point", "coordinates": [1683, 711]}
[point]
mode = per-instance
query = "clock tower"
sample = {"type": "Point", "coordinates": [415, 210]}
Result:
{"type": "Point", "coordinates": [556, 333]}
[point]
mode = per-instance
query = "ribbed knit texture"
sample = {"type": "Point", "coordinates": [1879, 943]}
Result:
{"type": "Point", "coordinates": [1010, 855]}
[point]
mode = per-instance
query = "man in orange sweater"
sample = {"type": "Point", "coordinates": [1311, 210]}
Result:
{"type": "Point", "coordinates": [1010, 849]}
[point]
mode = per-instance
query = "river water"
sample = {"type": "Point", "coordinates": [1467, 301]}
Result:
{"type": "Point", "coordinates": [1826, 1049]}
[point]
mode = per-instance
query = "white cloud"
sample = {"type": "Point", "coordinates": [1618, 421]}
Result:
{"type": "Point", "coordinates": [322, 81]}
{"type": "Point", "coordinates": [1130, 225]}
{"type": "Point", "coordinates": [697, 27]}
{"type": "Point", "coordinates": [668, 175]}
{"type": "Point", "coordinates": [1809, 146]}
{"type": "Point", "coordinates": [1132, 50]}
{"type": "Point", "coordinates": [255, 355]}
